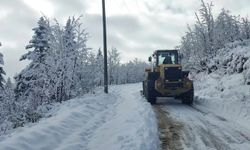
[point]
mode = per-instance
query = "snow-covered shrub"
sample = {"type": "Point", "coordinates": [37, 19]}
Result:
{"type": "Point", "coordinates": [234, 58]}
{"type": "Point", "coordinates": [211, 36]}
{"type": "Point", "coordinates": [5, 126]}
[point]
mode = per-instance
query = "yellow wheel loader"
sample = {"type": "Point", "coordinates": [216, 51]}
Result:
{"type": "Point", "coordinates": [167, 79]}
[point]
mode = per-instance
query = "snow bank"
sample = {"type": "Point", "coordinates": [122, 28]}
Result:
{"type": "Point", "coordinates": [225, 91]}
{"type": "Point", "coordinates": [135, 124]}
{"type": "Point", "coordinates": [121, 120]}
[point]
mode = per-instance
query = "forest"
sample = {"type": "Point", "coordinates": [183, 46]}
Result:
{"type": "Point", "coordinates": [61, 67]}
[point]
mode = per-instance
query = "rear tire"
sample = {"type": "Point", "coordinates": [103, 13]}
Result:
{"type": "Point", "coordinates": [188, 97]}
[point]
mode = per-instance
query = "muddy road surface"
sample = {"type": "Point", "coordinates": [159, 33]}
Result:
{"type": "Point", "coordinates": [189, 128]}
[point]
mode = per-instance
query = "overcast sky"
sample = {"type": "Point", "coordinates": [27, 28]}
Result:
{"type": "Point", "coordinates": [134, 27]}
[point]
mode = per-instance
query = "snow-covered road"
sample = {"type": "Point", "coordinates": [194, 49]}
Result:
{"type": "Point", "coordinates": [122, 120]}
{"type": "Point", "coordinates": [202, 129]}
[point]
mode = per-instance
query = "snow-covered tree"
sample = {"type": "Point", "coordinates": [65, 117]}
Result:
{"type": "Point", "coordinates": [245, 28]}
{"type": "Point", "coordinates": [100, 67]}
{"type": "Point", "coordinates": [198, 45]}
{"type": "Point", "coordinates": [10, 96]}
{"type": "Point", "coordinates": [32, 82]}
{"type": "Point", "coordinates": [7, 101]}
{"type": "Point", "coordinates": [205, 28]}
{"type": "Point", "coordinates": [67, 61]}
{"type": "Point", "coordinates": [227, 28]}
{"type": "Point", "coordinates": [113, 65]}
{"type": "Point", "coordinates": [2, 90]}
{"type": "Point", "coordinates": [2, 72]}
{"type": "Point", "coordinates": [91, 73]}
{"type": "Point", "coordinates": [61, 67]}
{"type": "Point", "coordinates": [73, 57]}
{"type": "Point", "coordinates": [132, 72]}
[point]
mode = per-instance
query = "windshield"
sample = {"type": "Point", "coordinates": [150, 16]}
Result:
{"type": "Point", "coordinates": [167, 57]}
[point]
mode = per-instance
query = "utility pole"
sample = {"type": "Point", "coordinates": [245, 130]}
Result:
{"type": "Point", "coordinates": [105, 47]}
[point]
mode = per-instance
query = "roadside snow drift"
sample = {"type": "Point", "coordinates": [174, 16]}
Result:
{"type": "Point", "coordinates": [121, 120]}
{"type": "Point", "coordinates": [226, 91]}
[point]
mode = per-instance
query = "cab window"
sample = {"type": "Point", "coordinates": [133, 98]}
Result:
{"type": "Point", "coordinates": [167, 58]}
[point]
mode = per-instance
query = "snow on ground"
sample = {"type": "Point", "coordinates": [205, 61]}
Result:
{"type": "Point", "coordinates": [120, 120]}
{"type": "Point", "coordinates": [226, 91]}
{"type": "Point", "coordinates": [203, 130]}
{"type": "Point", "coordinates": [225, 95]}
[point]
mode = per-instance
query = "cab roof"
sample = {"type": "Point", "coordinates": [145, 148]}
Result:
{"type": "Point", "coordinates": [162, 50]}
{"type": "Point", "coordinates": [166, 50]}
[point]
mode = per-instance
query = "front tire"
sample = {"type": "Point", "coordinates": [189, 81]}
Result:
{"type": "Point", "coordinates": [188, 97]}
{"type": "Point", "coordinates": [150, 92]}
{"type": "Point", "coordinates": [143, 88]}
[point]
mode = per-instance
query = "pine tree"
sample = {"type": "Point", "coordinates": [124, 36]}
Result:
{"type": "Point", "coordinates": [100, 67]}
{"type": "Point", "coordinates": [9, 99]}
{"type": "Point", "coordinates": [11, 112]}
{"type": "Point", "coordinates": [2, 72]}
{"type": "Point", "coordinates": [2, 90]}
{"type": "Point", "coordinates": [32, 82]}
{"type": "Point", "coordinates": [9, 95]}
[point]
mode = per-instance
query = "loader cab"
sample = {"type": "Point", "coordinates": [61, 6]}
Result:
{"type": "Point", "coordinates": [165, 57]}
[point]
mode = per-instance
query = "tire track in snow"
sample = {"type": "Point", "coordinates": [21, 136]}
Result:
{"type": "Point", "coordinates": [169, 130]}
{"type": "Point", "coordinates": [201, 129]}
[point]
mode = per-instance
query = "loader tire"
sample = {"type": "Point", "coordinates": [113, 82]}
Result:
{"type": "Point", "coordinates": [143, 88]}
{"type": "Point", "coordinates": [188, 97]}
{"type": "Point", "coordinates": [150, 92]}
